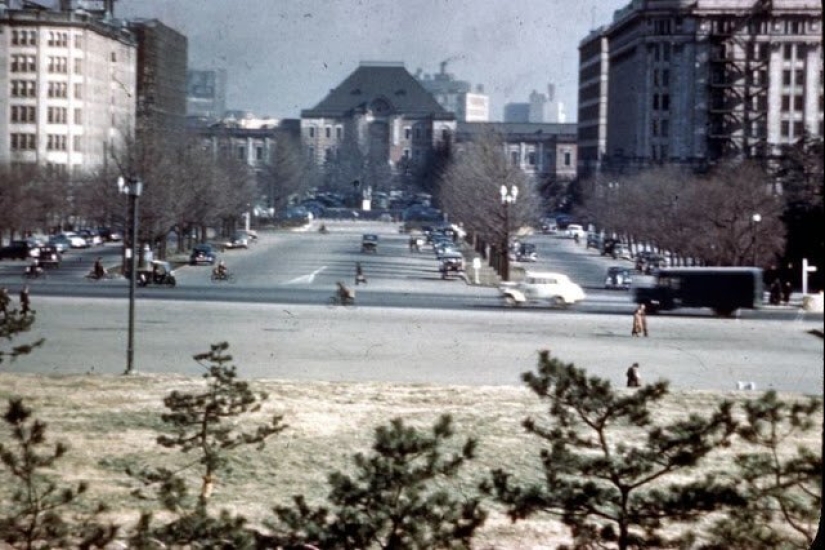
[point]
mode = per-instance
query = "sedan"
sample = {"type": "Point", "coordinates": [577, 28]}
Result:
{"type": "Point", "coordinates": [75, 240]}
{"type": "Point", "coordinates": [202, 254]}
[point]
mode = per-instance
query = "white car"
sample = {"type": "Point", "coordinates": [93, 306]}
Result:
{"type": "Point", "coordinates": [574, 230]}
{"type": "Point", "coordinates": [75, 240]}
{"type": "Point", "coordinates": [544, 288]}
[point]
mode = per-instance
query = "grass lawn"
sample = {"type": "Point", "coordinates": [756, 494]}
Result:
{"type": "Point", "coordinates": [111, 422]}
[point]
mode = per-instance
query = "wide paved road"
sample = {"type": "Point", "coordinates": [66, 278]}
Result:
{"type": "Point", "coordinates": [444, 332]}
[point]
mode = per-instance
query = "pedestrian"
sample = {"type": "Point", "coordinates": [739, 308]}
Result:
{"type": "Point", "coordinates": [24, 300]}
{"type": "Point", "coordinates": [633, 378]}
{"type": "Point", "coordinates": [359, 274]}
{"type": "Point", "coordinates": [4, 300]}
{"type": "Point", "coordinates": [639, 321]}
{"type": "Point", "coordinates": [776, 292]}
{"type": "Point", "coordinates": [786, 292]}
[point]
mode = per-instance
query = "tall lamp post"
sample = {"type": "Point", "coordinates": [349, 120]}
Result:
{"type": "Point", "coordinates": [508, 197]}
{"type": "Point", "coordinates": [756, 218]}
{"type": "Point", "coordinates": [133, 188]}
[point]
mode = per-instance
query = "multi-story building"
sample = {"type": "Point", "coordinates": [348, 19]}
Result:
{"type": "Point", "coordinates": [206, 93]}
{"type": "Point", "coordinates": [379, 122]}
{"type": "Point", "coordinates": [545, 152]}
{"type": "Point", "coordinates": [456, 96]}
{"type": "Point", "coordinates": [161, 80]}
{"type": "Point", "coordinates": [695, 80]}
{"type": "Point", "coordinates": [67, 87]}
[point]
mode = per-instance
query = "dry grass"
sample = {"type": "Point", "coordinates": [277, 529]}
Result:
{"type": "Point", "coordinates": [111, 422]}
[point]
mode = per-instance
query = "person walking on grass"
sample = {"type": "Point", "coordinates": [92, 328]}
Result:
{"type": "Point", "coordinates": [25, 301]}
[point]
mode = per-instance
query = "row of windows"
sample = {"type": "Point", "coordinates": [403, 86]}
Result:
{"type": "Point", "coordinates": [28, 88]}
{"type": "Point", "coordinates": [22, 113]}
{"type": "Point", "coordinates": [56, 115]}
{"type": "Point", "coordinates": [23, 64]}
{"type": "Point", "coordinates": [25, 37]}
{"type": "Point", "coordinates": [661, 102]}
{"type": "Point", "coordinates": [54, 142]}
{"type": "Point", "coordinates": [24, 88]}
{"type": "Point", "coordinates": [775, 26]}
{"type": "Point", "coordinates": [339, 132]}
{"type": "Point", "coordinates": [21, 37]}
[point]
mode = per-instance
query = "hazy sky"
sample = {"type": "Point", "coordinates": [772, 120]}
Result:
{"type": "Point", "coordinates": [283, 56]}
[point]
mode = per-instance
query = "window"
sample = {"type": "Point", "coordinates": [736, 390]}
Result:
{"type": "Point", "coordinates": [78, 66]}
{"type": "Point", "coordinates": [798, 103]}
{"type": "Point", "coordinates": [56, 115]}
{"type": "Point", "coordinates": [531, 158]}
{"type": "Point", "coordinates": [665, 102]}
{"type": "Point", "coordinates": [665, 128]}
{"type": "Point", "coordinates": [259, 153]}
{"type": "Point", "coordinates": [567, 158]}
{"type": "Point", "coordinates": [78, 41]}
{"type": "Point", "coordinates": [786, 103]}
{"type": "Point", "coordinates": [311, 130]}
{"type": "Point", "coordinates": [799, 78]}
{"type": "Point", "coordinates": [785, 128]}
{"type": "Point", "coordinates": [328, 130]}
{"type": "Point", "coordinates": [445, 134]}
{"type": "Point", "coordinates": [654, 127]}
{"type": "Point", "coordinates": [339, 132]}
{"type": "Point", "coordinates": [798, 128]}
{"type": "Point", "coordinates": [21, 113]}
{"type": "Point", "coordinates": [655, 102]}
{"type": "Point", "coordinates": [78, 91]}
{"type": "Point", "coordinates": [666, 52]}
{"type": "Point", "coordinates": [787, 51]}
{"type": "Point", "coordinates": [57, 65]}
{"type": "Point", "coordinates": [514, 158]}
{"type": "Point", "coordinates": [407, 133]}
{"type": "Point", "coordinates": [28, 141]}
{"type": "Point", "coordinates": [655, 77]}
{"type": "Point", "coordinates": [113, 57]}
{"type": "Point", "coordinates": [56, 142]}
{"type": "Point", "coordinates": [665, 77]}
{"type": "Point", "coordinates": [77, 144]}
{"type": "Point", "coordinates": [78, 116]}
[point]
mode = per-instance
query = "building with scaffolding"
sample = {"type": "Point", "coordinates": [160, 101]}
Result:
{"type": "Point", "coordinates": [692, 81]}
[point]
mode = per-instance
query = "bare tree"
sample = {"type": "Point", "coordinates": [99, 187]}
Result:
{"type": "Point", "coordinates": [288, 173]}
{"type": "Point", "coordinates": [469, 192]}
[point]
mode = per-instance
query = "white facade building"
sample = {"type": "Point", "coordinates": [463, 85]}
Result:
{"type": "Point", "coordinates": [67, 89]}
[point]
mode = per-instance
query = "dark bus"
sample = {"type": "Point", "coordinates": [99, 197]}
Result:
{"type": "Point", "coordinates": [722, 289]}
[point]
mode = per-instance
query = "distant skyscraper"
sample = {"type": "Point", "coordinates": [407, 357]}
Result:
{"type": "Point", "coordinates": [206, 93]}
{"type": "Point", "coordinates": [456, 95]}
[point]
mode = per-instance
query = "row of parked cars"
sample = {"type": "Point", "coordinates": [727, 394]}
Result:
{"type": "Point", "coordinates": [48, 250]}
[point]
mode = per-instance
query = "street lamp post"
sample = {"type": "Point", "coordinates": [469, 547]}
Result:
{"type": "Point", "coordinates": [756, 218]}
{"type": "Point", "coordinates": [131, 187]}
{"type": "Point", "coordinates": [508, 197]}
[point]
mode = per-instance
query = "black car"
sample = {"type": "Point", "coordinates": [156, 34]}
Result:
{"type": "Point", "coordinates": [49, 256]}
{"type": "Point", "coordinates": [618, 278]}
{"type": "Point", "coordinates": [18, 250]}
{"type": "Point", "coordinates": [202, 254]}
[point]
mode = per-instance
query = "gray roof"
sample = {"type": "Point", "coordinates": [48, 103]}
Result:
{"type": "Point", "coordinates": [373, 82]}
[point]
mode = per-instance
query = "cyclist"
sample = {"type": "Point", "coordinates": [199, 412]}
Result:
{"type": "Point", "coordinates": [220, 270]}
{"type": "Point", "coordinates": [98, 271]}
{"type": "Point", "coordinates": [345, 295]}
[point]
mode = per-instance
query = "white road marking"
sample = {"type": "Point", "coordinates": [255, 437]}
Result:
{"type": "Point", "coordinates": [306, 278]}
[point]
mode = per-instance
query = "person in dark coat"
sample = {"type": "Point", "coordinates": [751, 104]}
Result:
{"type": "Point", "coordinates": [786, 292]}
{"type": "Point", "coordinates": [634, 380]}
{"type": "Point", "coordinates": [25, 302]}
{"type": "Point", "coordinates": [359, 274]}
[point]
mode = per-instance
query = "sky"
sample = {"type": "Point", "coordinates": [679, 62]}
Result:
{"type": "Point", "coordinates": [283, 56]}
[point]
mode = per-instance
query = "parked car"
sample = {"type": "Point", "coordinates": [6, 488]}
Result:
{"type": "Point", "coordinates": [618, 277]}
{"type": "Point", "coordinates": [75, 240]}
{"type": "Point", "coordinates": [526, 252]}
{"type": "Point", "coordinates": [202, 254]}
{"type": "Point", "coordinates": [544, 288]}
{"type": "Point", "coordinates": [110, 234]}
{"type": "Point", "coordinates": [19, 250]}
{"type": "Point", "coordinates": [61, 242]}
{"type": "Point", "coordinates": [49, 256]}
{"type": "Point", "coordinates": [597, 241]}
{"type": "Point", "coordinates": [91, 236]}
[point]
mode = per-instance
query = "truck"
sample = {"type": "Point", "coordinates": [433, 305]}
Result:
{"type": "Point", "coordinates": [722, 289]}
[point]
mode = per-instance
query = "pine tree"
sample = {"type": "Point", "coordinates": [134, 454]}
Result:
{"type": "Point", "coordinates": [395, 499]}
{"type": "Point", "coordinates": [38, 513]}
{"type": "Point", "coordinates": [12, 323]}
{"type": "Point", "coordinates": [607, 487]}
{"type": "Point", "coordinates": [783, 494]}
{"type": "Point", "coordinates": [199, 423]}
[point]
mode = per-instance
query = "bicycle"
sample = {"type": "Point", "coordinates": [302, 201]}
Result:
{"type": "Point", "coordinates": [342, 297]}
{"type": "Point", "coordinates": [223, 278]}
